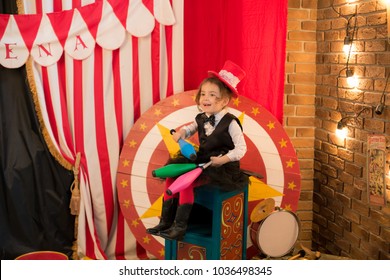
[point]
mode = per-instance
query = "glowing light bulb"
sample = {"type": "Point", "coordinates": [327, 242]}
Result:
{"type": "Point", "coordinates": [353, 81]}
{"type": "Point", "coordinates": [347, 44]}
{"type": "Point", "coordinates": [341, 130]}
{"type": "Point", "coordinates": [347, 47]}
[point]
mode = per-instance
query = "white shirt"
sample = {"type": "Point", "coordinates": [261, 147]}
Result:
{"type": "Point", "coordinates": [234, 130]}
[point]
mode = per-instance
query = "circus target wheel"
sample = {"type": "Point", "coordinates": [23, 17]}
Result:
{"type": "Point", "coordinates": [149, 145]}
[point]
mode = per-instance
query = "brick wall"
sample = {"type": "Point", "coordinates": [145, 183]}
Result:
{"type": "Point", "coordinates": [334, 210]}
{"type": "Point", "coordinates": [299, 108]}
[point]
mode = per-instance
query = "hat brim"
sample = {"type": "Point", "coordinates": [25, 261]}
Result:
{"type": "Point", "coordinates": [215, 74]}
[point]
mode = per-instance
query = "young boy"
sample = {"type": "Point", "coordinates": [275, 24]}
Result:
{"type": "Point", "coordinates": [221, 141]}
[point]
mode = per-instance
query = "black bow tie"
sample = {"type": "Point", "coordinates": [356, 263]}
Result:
{"type": "Point", "coordinates": [210, 119]}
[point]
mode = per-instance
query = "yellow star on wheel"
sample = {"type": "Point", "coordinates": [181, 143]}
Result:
{"type": "Point", "coordinates": [143, 126]}
{"type": "Point", "coordinates": [283, 143]}
{"type": "Point", "coordinates": [134, 223]}
{"type": "Point", "coordinates": [291, 185]}
{"type": "Point", "coordinates": [287, 207]}
{"type": "Point", "coordinates": [271, 125]}
{"type": "Point", "coordinates": [146, 239]}
{"type": "Point", "coordinates": [126, 203]}
{"type": "Point", "coordinates": [175, 102]}
{"type": "Point", "coordinates": [255, 111]}
{"type": "Point", "coordinates": [290, 163]}
{"type": "Point", "coordinates": [236, 101]}
{"type": "Point", "coordinates": [157, 112]}
{"type": "Point", "coordinates": [124, 183]}
{"type": "Point", "coordinates": [125, 163]}
{"type": "Point", "coordinates": [132, 144]}
{"type": "Point", "coordinates": [162, 252]}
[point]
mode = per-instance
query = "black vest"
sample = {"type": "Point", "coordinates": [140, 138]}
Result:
{"type": "Point", "coordinates": [217, 143]}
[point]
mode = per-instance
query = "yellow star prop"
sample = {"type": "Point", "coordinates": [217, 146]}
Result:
{"type": "Point", "coordinates": [259, 190]}
{"type": "Point", "coordinates": [171, 145]}
{"type": "Point", "coordinates": [154, 210]}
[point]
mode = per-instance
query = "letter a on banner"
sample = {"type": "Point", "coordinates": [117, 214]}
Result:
{"type": "Point", "coordinates": [80, 43]}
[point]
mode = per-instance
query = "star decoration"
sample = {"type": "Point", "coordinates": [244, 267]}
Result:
{"type": "Point", "coordinates": [271, 125]}
{"type": "Point", "coordinates": [290, 163]}
{"type": "Point", "coordinates": [291, 185]}
{"type": "Point", "coordinates": [287, 207]}
{"type": "Point", "coordinates": [124, 183]}
{"type": "Point", "coordinates": [157, 112]}
{"type": "Point", "coordinates": [143, 126]}
{"type": "Point", "coordinates": [175, 102]}
{"type": "Point", "coordinates": [132, 144]}
{"type": "Point", "coordinates": [283, 143]}
{"type": "Point", "coordinates": [236, 101]}
{"type": "Point", "coordinates": [161, 252]}
{"type": "Point", "coordinates": [125, 163]}
{"type": "Point", "coordinates": [134, 223]}
{"type": "Point", "coordinates": [126, 203]}
{"type": "Point", "coordinates": [255, 111]}
{"type": "Point", "coordinates": [146, 240]}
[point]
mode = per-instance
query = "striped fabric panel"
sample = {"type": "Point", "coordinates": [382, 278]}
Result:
{"type": "Point", "coordinates": [89, 106]}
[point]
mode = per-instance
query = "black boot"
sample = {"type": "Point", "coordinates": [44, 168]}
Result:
{"type": "Point", "coordinates": [168, 213]}
{"type": "Point", "coordinates": [179, 227]}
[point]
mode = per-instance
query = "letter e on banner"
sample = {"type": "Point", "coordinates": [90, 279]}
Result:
{"type": "Point", "coordinates": [13, 50]}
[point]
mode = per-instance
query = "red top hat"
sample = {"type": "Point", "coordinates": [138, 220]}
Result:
{"type": "Point", "coordinates": [231, 74]}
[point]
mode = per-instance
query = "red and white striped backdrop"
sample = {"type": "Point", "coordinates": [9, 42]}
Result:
{"type": "Point", "coordinates": [88, 105]}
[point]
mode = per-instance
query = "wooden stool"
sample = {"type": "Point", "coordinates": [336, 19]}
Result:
{"type": "Point", "coordinates": [217, 228]}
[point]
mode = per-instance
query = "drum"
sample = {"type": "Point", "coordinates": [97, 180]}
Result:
{"type": "Point", "coordinates": [275, 236]}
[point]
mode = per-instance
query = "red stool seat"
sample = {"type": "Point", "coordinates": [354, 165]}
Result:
{"type": "Point", "coordinates": [43, 255]}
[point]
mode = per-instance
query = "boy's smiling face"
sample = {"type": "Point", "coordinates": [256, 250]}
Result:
{"type": "Point", "coordinates": [211, 101]}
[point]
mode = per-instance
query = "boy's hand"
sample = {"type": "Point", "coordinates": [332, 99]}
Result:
{"type": "Point", "coordinates": [220, 160]}
{"type": "Point", "coordinates": [177, 135]}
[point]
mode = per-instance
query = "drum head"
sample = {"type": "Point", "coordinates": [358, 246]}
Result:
{"type": "Point", "coordinates": [278, 233]}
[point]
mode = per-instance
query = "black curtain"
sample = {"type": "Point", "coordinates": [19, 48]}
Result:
{"type": "Point", "coordinates": [34, 187]}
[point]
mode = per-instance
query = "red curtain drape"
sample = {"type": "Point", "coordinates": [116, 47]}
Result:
{"type": "Point", "coordinates": [251, 33]}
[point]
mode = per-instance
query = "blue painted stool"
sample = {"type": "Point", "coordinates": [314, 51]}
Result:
{"type": "Point", "coordinates": [217, 228]}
